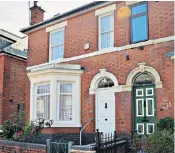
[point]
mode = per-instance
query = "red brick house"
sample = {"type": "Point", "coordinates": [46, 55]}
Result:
{"type": "Point", "coordinates": [13, 77]}
{"type": "Point", "coordinates": [105, 60]}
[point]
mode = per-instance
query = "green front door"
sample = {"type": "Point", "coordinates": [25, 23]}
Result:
{"type": "Point", "coordinates": [144, 109]}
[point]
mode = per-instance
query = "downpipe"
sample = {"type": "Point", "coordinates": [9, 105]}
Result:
{"type": "Point", "coordinates": [84, 128]}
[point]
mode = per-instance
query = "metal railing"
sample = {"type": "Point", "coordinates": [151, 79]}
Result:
{"type": "Point", "coordinates": [83, 129]}
{"type": "Point", "coordinates": [109, 143]}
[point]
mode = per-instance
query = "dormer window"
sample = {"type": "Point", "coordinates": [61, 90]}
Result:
{"type": "Point", "coordinates": [57, 44]}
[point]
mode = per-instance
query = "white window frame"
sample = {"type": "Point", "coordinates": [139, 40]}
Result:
{"type": "Point", "coordinates": [142, 126]}
{"type": "Point", "coordinates": [137, 107]}
{"type": "Point", "coordinates": [147, 106]}
{"type": "Point", "coordinates": [35, 94]}
{"type": "Point", "coordinates": [147, 92]}
{"type": "Point", "coordinates": [137, 93]}
{"type": "Point", "coordinates": [99, 31]}
{"type": "Point", "coordinates": [58, 102]}
{"type": "Point", "coordinates": [50, 47]}
{"type": "Point", "coordinates": [147, 127]}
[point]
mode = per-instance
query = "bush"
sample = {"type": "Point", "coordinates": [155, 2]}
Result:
{"type": "Point", "coordinates": [158, 142]}
{"type": "Point", "coordinates": [165, 124]}
{"type": "Point", "coordinates": [17, 129]}
{"type": "Point", "coordinates": [161, 142]}
{"type": "Point", "coordinates": [13, 127]}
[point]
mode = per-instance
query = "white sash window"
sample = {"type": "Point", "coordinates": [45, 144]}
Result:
{"type": "Point", "coordinates": [65, 102]}
{"type": "Point", "coordinates": [43, 101]}
{"type": "Point", "coordinates": [57, 44]}
{"type": "Point", "coordinates": [106, 31]}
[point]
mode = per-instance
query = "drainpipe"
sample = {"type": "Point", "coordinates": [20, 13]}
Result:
{"type": "Point", "coordinates": [84, 128]}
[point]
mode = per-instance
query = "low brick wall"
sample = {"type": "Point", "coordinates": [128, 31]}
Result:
{"type": "Point", "coordinates": [80, 151]}
{"type": "Point", "coordinates": [21, 147]}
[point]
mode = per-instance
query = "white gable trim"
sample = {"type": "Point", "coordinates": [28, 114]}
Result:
{"type": "Point", "coordinates": [105, 10]}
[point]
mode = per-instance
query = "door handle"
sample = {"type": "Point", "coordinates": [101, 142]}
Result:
{"type": "Point", "coordinates": [106, 119]}
{"type": "Point", "coordinates": [106, 105]}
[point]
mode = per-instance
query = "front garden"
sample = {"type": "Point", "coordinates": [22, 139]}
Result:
{"type": "Point", "coordinates": [16, 134]}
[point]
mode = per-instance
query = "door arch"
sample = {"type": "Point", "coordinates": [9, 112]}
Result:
{"type": "Point", "coordinates": [103, 85]}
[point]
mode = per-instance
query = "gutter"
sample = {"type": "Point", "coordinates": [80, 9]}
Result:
{"type": "Point", "coordinates": [66, 15]}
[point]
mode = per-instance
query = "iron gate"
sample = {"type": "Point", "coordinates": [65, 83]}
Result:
{"type": "Point", "coordinates": [60, 147]}
{"type": "Point", "coordinates": [109, 143]}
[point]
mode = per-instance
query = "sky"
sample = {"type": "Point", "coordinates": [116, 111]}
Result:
{"type": "Point", "coordinates": [14, 15]}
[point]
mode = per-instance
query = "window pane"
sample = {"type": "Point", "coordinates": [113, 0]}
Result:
{"type": "Point", "coordinates": [105, 83]}
{"type": "Point", "coordinates": [65, 107]}
{"type": "Point", "coordinates": [139, 107]}
{"type": "Point", "coordinates": [106, 23]}
{"type": "Point", "coordinates": [106, 40]}
{"type": "Point", "coordinates": [57, 52]}
{"type": "Point", "coordinates": [65, 88]}
{"type": "Point", "coordinates": [41, 89]}
{"type": "Point", "coordinates": [43, 107]}
{"type": "Point", "coordinates": [150, 107]}
{"type": "Point", "coordinates": [139, 9]}
{"type": "Point", "coordinates": [139, 28]}
{"type": "Point", "coordinates": [57, 38]}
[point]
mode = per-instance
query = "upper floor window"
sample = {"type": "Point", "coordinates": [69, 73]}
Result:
{"type": "Point", "coordinates": [139, 22]}
{"type": "Point", "coordinates": [57, 44]}
{"type": "Point", "coordinates": [106, 31]}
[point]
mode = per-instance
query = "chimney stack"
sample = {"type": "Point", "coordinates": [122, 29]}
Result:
{"type": "Point", "coordinates": [37, 14]}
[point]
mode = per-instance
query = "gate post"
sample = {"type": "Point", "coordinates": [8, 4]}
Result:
{"type": "Point", "coordinates": [97, 140]}
{"type": "Point", "coordinates": [48, 145]}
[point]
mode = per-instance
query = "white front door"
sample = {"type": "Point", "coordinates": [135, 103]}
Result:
{"type": "Point", "coordinates": [105, 110]}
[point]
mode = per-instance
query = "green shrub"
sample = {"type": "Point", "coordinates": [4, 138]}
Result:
{"type": "Point", "coordinates": [166, 124]}
{"type": "Point", "coordinates": [17, 129]}
{"type": "Point", "coordinates": [12, 128]}
{"type": "Point", "coordinates": [161, 142]}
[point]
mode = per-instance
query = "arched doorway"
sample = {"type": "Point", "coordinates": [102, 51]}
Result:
{"type": "Point", "coordinates": [144, 103]}
{"type": "Point", "coordinates": [104, 85]}
{"type": "Point", "coordinates": [105, 106]}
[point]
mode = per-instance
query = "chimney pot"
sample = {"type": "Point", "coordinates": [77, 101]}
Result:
{"type": "Point", "coordinates": [35, 3]}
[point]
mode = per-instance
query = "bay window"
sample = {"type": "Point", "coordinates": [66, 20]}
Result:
{"type": "Point", "coordinates": [106, 31]}
{"type": "Point", "coordinates": [139, 22]}
{"type": "Point", "coordinates": [43, 101]}
{"type": "Point", "coordinates": [65, 101]}
{"type": "Point", "coordinates": [57, 44]}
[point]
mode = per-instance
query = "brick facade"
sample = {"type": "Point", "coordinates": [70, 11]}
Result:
{"type": "Point", "coordinates": [84, 28]}
{"type": "Point", "coordinates": [12, 85]}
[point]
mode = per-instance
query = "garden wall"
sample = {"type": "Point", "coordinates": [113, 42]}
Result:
{"type": "Point", "coordinates": [21, 147]}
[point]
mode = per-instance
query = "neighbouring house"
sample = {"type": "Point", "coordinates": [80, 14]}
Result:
{"type": "Point", "coordinates": [105, 60]}
{"type": "Point", "coordinates": [13, 77]}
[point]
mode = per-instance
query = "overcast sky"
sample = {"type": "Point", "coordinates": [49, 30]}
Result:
{"type": "Point", "coordinates": [15, 15]}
